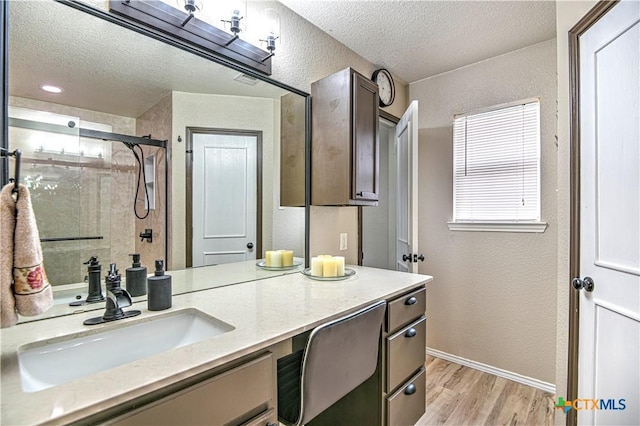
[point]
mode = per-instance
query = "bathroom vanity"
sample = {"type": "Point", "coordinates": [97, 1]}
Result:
{"type": "Point", "coordinates": [232, 375]}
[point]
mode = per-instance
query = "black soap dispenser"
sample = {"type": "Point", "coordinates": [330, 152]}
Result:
{"type": "Point", "coordinates": [136, 277]}
{"type": "Point", "coordinates": [159, 287]}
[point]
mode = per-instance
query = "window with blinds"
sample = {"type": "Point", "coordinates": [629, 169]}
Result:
{"type": "Point", "coordinates": [496, 165]}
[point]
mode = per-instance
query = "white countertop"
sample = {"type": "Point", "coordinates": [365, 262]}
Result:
{"type": "Point", "coordinates": [263, 313]}
{"type": "Point", "coordinates": [184, 281]}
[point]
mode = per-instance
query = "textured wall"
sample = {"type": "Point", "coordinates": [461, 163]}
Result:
{"type": "Point", "coordinates": [567, 15]}
{"type": "Point", "coordinates": [306, 54]}
{"type": "Point", "coordinates": [491, 289]}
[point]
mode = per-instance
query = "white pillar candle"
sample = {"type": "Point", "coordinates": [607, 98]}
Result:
{"type": "Point", "coordinates": [316, 266]}
{"type": "Point", "coordinates": [276, 259]}
{"type": "Point", "coordinates": [340, 262]}
{"type": "Point", "coordinates": [287, 257]}
{"type": "Point", "coordinates": [267, 257]}
{"type": "Point", "coordinates": [330, 267]}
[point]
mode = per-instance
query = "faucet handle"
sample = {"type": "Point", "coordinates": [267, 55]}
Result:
{"type": "Point", "coordinates": [92, 261]}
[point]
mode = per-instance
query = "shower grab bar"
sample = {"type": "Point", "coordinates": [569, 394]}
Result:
{"type": "Point", "coordinates": [48, 240]}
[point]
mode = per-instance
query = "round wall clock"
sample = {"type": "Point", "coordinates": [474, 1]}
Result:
{"type": "Point", "coordinates": [386, 86]}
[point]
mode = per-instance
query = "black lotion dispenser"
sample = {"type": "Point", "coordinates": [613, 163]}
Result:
{"type": "Point", "coordinates": [159, 289]}
{"type": "Point", "coordinates": [94, 270]}
{"type": "Point", "coordinates": [136, 277]}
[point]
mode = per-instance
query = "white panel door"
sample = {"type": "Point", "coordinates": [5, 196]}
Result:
{"type": "Point", "coordinates": [609, 348]}
{"type": "Point", "coordinates": [407, 191]}
{"type": "Point", "coordinates": [224, 198]}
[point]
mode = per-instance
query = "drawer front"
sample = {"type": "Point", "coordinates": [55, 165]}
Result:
{"type": "Point", "coordinates": [408, 404]}
{"type": "Point", "coordinates": [232, 397]}
{"type": "Point", "coordinates": [406, 308]}
{"type": "Point", "coordinates": [268, 418]}
{"type": "Point", "coordinates": [405, 352]}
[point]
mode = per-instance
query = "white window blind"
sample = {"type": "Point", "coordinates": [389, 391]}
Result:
{"type": "Point", "coordinates": [496, 165]}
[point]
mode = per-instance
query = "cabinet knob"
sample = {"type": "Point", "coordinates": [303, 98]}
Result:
{"type": "Point", "coordinates": [410, 390]}
{"type": "Point", "coordinates": [411, 301]}
{"type": "Point", "coordinates": [406, 257]}
{"type": "Point", "coordinates": [249, 246]}
{"type": "Point", "coordinates": [410, 332]}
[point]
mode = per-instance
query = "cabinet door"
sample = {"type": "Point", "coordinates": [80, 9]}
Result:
{"type": "Point", "coordinates": [365, 155]}
{"type": "Point", "coordinates": [292, 150]}
{"type": "Point", "coordinates": [230, 398]}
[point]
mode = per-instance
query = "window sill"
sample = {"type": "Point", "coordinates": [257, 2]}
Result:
{"type": "Point", "coordinates": [535, 227]}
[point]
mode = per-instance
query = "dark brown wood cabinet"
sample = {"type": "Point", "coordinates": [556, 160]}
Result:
{"type": "Point", "coordinates": [345, 140]}
{"type": "Point", "coordinates": [404, 352]}
{"type": "Point", "coordinates": [292, 150]}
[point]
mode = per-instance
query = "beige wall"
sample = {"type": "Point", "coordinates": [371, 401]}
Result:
{"type": "Point", "coordinates": [493, 296]}
{"type": "Point", "coordinates": [568, 13]}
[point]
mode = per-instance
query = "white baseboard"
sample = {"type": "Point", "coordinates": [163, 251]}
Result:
{"type": "Point", "coordinates": [509, 375]}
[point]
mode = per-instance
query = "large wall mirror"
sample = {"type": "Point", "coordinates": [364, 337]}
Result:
{"type": "Point", "coordinates": [85, 190]}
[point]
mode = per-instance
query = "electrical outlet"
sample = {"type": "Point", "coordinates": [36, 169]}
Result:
{"type": "Point", "coordinates": [343, 241]}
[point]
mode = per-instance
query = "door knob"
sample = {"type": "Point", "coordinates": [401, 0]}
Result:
{"type": "Point", "coordinates": [249, 246]}
{"type": "Point", "coordinates": [416, 258]}
{"type": "Point", "coordinates": [586, 283]}
{"type": "Point", "coordinates": [406, 257]}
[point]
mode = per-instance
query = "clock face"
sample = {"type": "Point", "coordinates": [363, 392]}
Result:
{"type": "Point", "coordinates": [386, 87]}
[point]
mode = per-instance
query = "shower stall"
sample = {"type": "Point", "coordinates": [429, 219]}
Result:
{"type": "Point", "coordinates": [91, 195]}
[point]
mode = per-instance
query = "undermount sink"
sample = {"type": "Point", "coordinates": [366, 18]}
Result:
{"type": "Point", "coordinates": [64, 359]}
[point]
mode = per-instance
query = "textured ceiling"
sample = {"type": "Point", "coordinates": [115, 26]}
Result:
{"type": "Point", "coordinates": [104, 67]}
{"type": "Point", "coordinates": [419, 39]}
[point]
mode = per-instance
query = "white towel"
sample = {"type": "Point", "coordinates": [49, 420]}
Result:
{"type": "Point", "coordinates": [31, 289]}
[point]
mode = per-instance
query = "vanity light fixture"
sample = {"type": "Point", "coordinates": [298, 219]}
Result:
{"type": "Point", "coordinates": [238, 11]}
{"type": "Point", "coordinates": [172, 21]}
{"type": "Point", "coordinates": [51, 89]}
{"type": "Point", "coordinates": [191, 6]}
{"type": "Point", "coordinates": [234, 25]}
{"type": "Point", "coordinates": [271, 23]}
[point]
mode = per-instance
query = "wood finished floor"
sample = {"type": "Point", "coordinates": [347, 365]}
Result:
{"type": "Point", "coordinates": [458, 395]}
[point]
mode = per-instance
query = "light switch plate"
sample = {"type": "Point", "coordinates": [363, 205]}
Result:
{"type": "Point", "coordinates": [343, 241]}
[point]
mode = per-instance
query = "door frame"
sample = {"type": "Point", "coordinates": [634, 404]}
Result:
{"type": "Point", "coordinates": [189, 182]}
{"type": "Point", "coordinates": [587, 21]}
{"type": "Point", "coordinates": [395, 120]}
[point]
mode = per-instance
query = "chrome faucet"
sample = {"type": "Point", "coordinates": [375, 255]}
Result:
{"type": "Point", "coordinates": [117, 298]}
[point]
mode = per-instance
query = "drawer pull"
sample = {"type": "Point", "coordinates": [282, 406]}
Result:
{"type": "Point", "coordinates": [410, 332]}
{"type": "Point", "coordinates": [410, 390]}
{"type": "Point", "coordinates": [411, 301]}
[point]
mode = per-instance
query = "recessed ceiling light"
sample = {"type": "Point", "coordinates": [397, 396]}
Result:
{"type": "Point", "coordinates": [51, 89]}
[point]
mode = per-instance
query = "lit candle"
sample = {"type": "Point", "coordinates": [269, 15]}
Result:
{"type": "Point", "coordinates": [287, 257]}
{"type": "Point", "coordinates": [340, 262]}
{"type": "Point", "coordinates": [317, 266]}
